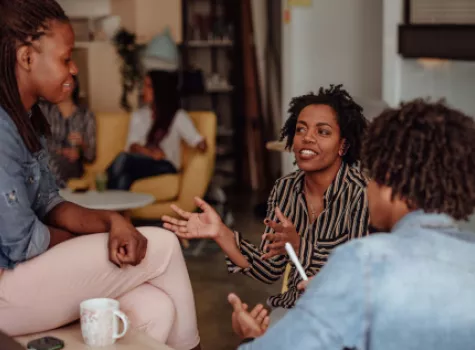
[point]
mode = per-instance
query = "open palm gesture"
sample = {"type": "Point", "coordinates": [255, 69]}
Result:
{"type": "Point", "coordinates": [207, 224]}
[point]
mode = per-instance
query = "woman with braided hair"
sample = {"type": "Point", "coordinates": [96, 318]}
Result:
{"type": "Point", "coordinates": [52, 252]}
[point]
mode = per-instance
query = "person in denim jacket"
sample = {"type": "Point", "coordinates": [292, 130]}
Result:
{"type": "Point", "coordinates": [50, 258]}
{"type": "Point", "coordinates": [412, 288]}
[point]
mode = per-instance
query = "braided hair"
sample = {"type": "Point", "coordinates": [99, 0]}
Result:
{"type": "Point", "coordinates": [425, 152]}
{"type": "Point", "coordinates": [22, 22]}
{"type": "Point", "coordinates": [350, 118]}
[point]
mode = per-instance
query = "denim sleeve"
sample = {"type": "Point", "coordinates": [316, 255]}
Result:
{"type": "Point", "coordinates": [332, 313]}
{"type": "Point", "coordinates": [53, 197]}
{"type": "Point", "coordinates": [23, 235]}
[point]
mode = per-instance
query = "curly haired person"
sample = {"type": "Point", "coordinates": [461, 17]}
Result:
{"type": "Point", "coordinates": [413, 288]}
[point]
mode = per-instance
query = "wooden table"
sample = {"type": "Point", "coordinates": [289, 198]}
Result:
{"type": "Point", "coordinates": [71, 335]}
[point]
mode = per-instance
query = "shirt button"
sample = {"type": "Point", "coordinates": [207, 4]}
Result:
{"type": "Point", "coordinates": [39, 195]}
{"type": "Point", "coordinates": [12, 196]}
{"type": "Point", "coordinates": [31, 179]}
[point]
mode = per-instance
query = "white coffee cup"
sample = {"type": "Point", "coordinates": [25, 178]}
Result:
{"type": "Point", "coordinates": [100, 321]}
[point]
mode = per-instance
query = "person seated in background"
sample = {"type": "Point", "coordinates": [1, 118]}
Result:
{"type": "Point", "coordinates": [73, 136]}
{"type": "Point", "coordinates": [412, 288]}
{"type": "Point", "coordinates": [155, 134]}
{"type": "Point", "coordinates": [316, 208]}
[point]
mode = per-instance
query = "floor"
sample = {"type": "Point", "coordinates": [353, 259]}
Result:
{"type": "Point", "coordinates": [212, 283]}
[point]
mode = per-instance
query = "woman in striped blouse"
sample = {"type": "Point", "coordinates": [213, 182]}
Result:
{"type": "Point", "coordinates": [316, 208]}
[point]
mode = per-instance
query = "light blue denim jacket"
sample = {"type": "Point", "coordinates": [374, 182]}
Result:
{"type": "Point", "coordinates": [411, 289]}
{"type": "Point", "coordinates": [28, 192]}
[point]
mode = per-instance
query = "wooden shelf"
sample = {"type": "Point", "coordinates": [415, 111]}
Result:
{"type": "Point", "coordinates": [219, 90]}
{"type": "Point", "coordinates": [225, 132]}
{"type": "Point", "coordinates": [208, 43]}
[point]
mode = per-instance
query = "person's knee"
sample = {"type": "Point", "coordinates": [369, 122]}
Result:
{"type": "Point", "coordinates": [162, 237]}
{"type": "Point", "coordinates": [118, 164]}
{"type": "Point", "coordinates": [150, 310]}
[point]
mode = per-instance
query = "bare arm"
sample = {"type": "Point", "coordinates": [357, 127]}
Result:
{"type": "Point", "coordinates": [227, 242]}
{"type": "Point", "coordinates": [58, 236]}
{"type": "Point", "coordinates": [242, 256]}
{"type": "Point", "coordinates": [206, 225]}
{"type": "Point", "coordinates": [73, 218]}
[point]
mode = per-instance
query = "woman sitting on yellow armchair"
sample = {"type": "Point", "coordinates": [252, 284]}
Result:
{"type": "Point", "coordinates": [155, 134]}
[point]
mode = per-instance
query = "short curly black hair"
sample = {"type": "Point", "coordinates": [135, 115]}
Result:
{"type": "Point", "coordinates": [425, 152]}
{"type": "Point", "coordinates": [349, 116]}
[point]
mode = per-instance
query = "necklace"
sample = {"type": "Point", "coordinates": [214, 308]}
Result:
{"type": "Point", "coordinates": [313, 212]}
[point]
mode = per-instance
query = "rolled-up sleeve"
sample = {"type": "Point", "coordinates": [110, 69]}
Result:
{"type": "Point", "coordinates": [54, 198]}
{"type": "Point", "coordinates": [187, 129]}
{"type": "Point", "coordinates": [269, 270]}
{"type": "Point", "coordinates": [22, 234]}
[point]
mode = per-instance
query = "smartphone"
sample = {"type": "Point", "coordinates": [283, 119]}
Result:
{"type": "Point", "coordinates": [46, 343]}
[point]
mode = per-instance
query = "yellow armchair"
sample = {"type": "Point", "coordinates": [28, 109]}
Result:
{"type": "Point", "coordinates": [192, 180]}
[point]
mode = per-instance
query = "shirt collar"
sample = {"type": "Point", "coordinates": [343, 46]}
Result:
{"type": "Point", "coordinates": [421, 218]}
{"type": "Point", "coordinates": [334, 187]}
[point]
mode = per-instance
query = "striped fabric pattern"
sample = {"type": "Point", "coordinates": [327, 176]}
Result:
{"type": "Point", "coordinates": [345, 216]}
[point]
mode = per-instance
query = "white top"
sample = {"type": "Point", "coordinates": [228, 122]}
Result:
{"type": "Point", "coordinates": [182, 128]}
{"type": "Point", "coordinates": [108, 200]}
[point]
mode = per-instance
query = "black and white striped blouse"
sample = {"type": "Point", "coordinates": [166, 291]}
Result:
{"type": "Point", "coordinates": [345, 216]}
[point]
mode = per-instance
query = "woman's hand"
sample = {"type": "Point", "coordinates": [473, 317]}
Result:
{"type": "Point", "coordinates": [71, 154]}
{"type": "Point", "coordinates": [135, 148]}
{"type": "Point", "coordinates": [302, 286]}
{"type": "Point", "coordinates": [207, 224]}
{"type": "Point", "coordinates": [202, 146]}
{"type": "Point", "coordinates": [127, 246]}
{"type": "Point", "coordinates": [157, 154]}
{"type": "Point", "coordinates": [248, 324]}
{"type": "Point", "coordinates": [283, 232]}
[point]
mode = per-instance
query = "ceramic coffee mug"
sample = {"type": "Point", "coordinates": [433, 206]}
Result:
{"type": "Point", "coordinates": [100, 321]}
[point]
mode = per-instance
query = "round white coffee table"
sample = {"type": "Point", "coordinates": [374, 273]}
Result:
{"type": "Point", "coordinates": [108, 200]}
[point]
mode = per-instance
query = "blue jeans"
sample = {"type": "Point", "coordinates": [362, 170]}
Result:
{"type": "Point", "coordinates": [128, 167]}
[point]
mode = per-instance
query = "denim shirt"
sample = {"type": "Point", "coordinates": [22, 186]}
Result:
{"type": "Point", "coordinates": [411, 289]}
{"type": "Point", "coordinates": [28, 192]}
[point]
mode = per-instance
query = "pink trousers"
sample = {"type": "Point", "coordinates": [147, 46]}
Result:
{"type": "Point", "coordinates": [45, 292]}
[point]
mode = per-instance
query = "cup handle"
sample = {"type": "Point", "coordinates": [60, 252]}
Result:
{"type": "Point", "coordinates": [125, 321]}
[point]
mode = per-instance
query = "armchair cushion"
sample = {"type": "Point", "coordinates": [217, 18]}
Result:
{"type": "Point", "coordinates": [163, 187]}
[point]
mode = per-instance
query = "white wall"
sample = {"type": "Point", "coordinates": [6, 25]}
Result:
{"type": "Point", "coordinates": [86, 8]}
{"type": "Point", "coordinates": [333, 41]}
{"type": "Point", "coordinates": [405, 79]}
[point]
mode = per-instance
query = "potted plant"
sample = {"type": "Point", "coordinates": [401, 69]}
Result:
{"type": "Point", "coordinates": [131, 67]}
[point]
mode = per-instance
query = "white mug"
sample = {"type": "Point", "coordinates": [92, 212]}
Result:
{"type": "Point", "coordinates": [100, 321]}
